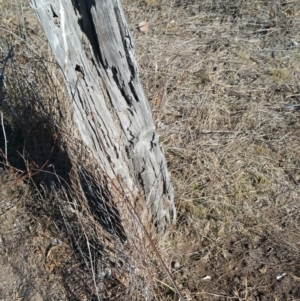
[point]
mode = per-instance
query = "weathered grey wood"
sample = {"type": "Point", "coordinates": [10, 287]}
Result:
{"type": "Point", "coordinates": [93, 46]}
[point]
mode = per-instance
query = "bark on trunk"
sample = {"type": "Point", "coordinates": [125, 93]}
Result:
{"type": "Point", "coordinates": [93, 46]}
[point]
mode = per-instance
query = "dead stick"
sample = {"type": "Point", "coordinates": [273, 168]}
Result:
{"type": "Point", "coordinates": [5, 140]}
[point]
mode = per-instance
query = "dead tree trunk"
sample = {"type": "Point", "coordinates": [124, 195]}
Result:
{"type": "Point", "coordinates": [93, 47]}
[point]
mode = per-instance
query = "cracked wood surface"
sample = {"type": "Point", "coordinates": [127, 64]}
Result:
{"type": "Point", "coordinates": [93, 46]}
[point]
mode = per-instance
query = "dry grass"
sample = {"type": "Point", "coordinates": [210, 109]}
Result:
{"type": "Point", "coordinates": [222, 78]}
{"type": "Point", "coordinates": [219, 76]}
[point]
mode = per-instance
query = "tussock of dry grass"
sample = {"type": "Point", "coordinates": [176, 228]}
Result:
{"type": "Point", "coordinates": [222, 78]}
